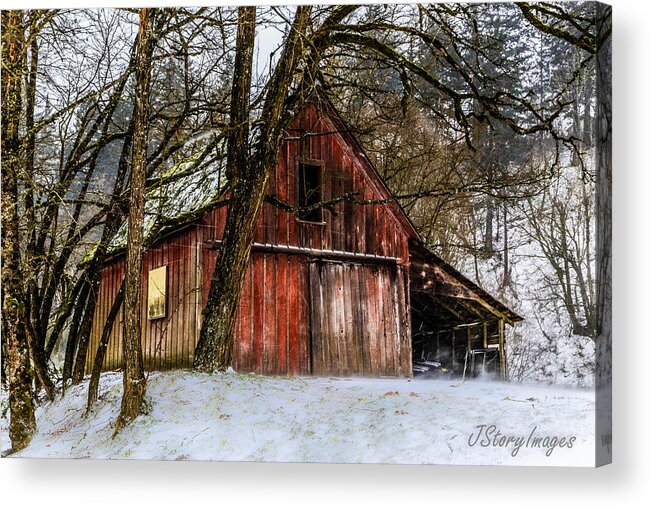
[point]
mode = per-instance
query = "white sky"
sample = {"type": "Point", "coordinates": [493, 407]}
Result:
{"type": "Point", "coordinates": [268, 39]}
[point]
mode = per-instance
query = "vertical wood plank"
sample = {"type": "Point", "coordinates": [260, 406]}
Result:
{"type": "Point", "coordinates": [317, 316]}
{"type": "Point", "coordinates": [191, 274]}
{"type": "Point", "coordinates": [382, 310]}
{"type": "Point", "coordinates": [186, 279]}
{"type": "Point", "coordinates": [393, 319]}
{"type": "Point", "coordinates": [172, 253]}
{"type": "Point", "coordinates": [247, 322]}
{"type": "Point", "coordinates": [154, 334]}
{"type": "Point", "coordinates": [258, 309]}
{"type": "Point", "coordinates": [281, 288]}
{"type": "Point", "coordinates": [363, 316]}
{"type": "Point", "coordinates": [340, 364]}
{"type": "Point", "coordinates": [305, 322]}
{"type": "Point", "coordinates": [294, 314]}
{"type": "Point", "coordinates": [181, 274]}
{"type": "Point", "coordinates": [405, 337]}
{"type": "Point", "coordinates": [194, 273]}
{"type": "Point", "coordinates": [373, 322]}
{"type": "Point", "coordinates": [269, 325]}
{"type": "Point", "coordinates": [370, 223]}
{"type": "Point", "coordinates": [332, 335]}
{"type": "Point", "coordinates": [350, 240]}
{"type": "Point", "coordinates": [350, 338]}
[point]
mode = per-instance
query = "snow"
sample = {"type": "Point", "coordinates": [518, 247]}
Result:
{"type": "Point", "coordinates": [234, 417]}
{"type": "Point", "coordinates": [193, 192]}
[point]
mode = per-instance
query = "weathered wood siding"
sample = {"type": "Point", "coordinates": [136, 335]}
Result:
{"type": "Point", "coordinates": [272, 325]}
{"type": "Point", "coordinates": [359, 319]}
{"type": "Point", "coordinates": [347, 226]}
{"type": "Point", "coordinates": [300, 315]}
{"type": "Point", "coordinates": [167, 342]}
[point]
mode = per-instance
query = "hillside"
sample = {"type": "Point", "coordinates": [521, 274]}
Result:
{"type": "Point", "coordinates": [248, 417]}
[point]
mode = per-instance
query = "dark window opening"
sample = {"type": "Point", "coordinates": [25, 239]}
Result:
{"type": "Point", "coordinates": [309, 192]}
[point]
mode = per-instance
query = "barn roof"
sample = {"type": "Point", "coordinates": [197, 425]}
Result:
{"type": "Point", "coordinates": [183, 192]}
{"type": "Point", "coordinates": [424, 264]}
{"type": "Point", "coordinates": [177, 197]}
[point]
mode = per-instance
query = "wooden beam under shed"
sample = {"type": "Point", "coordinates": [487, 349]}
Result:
{"type": "Point", "coordinates": [503, 366]}
{"type": "Point", "coordinates": [448, 308]}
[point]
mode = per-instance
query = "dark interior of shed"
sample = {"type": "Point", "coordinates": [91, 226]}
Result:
{"type": "Point", "coordinates": [453, 337]}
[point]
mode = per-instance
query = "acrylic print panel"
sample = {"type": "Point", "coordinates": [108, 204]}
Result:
{"type": "Point", "coordinates": [449, 304]}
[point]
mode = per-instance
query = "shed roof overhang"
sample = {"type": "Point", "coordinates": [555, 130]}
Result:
{"type": "Point", "coordinates": [432, 280]}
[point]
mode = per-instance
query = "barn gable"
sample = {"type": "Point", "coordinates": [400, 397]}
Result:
{"type": "Point", "coordinates": [384, 193]}
{"type": "Point", "coordinates": [311, 282]}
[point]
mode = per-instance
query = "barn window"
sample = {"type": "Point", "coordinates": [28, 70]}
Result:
{"type": "Point", "coordinates": [157, 293]}
{"type": "Point", "coordinates": [309, 191]}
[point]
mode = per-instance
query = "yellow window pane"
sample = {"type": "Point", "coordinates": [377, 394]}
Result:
{"type": "Point", "coordinates": [157, 293]}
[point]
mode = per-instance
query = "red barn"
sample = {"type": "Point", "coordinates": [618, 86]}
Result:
{"type": "Point", "coordinates": [347, 289]}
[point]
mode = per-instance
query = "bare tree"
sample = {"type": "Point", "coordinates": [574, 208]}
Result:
{"type": "Point", "coordinates": [134, 375]}
{"type": "Point", "coordinates": [18, 368]}
{"type": "Point", "coordinates": [249, 173]}
{"type": "Point", "coordinates": [560, 221]}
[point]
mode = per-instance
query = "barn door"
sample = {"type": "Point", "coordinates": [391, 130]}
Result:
{"type": "Point", "coordinates": [357, 320]}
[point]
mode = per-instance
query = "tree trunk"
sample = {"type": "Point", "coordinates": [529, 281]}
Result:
{"type": "Point", "coordinates": [100, 354]}
{"type": "Point", "coordinates": [29, 182]}
{"type": "Point", "coordinates": [73, 332]}
{"type": "Point", "coordinates": [134, 375]}
{"type": "Point", "coordinates": [83, 337]}
{"type": "Point", "coordinates": [37, 355]}
{"type": "Point", "coordinates": [62, 317]}
{"type": "Point", "coordinates": [214, 349]}
{"type": "Point", "coordinates": [33, 330]}
{"type": "Point", "coordinates": [19, 372]}
{"type": "Point", "coordinates": [488, 234]}
{"type": "Point", "coordinates": [506, 281]}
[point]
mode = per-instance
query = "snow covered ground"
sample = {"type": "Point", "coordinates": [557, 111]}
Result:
{"type": "Point", "coordinates": [233, 417]}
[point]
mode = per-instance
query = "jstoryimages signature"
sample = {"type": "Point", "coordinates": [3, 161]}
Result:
{"type": "Point", "coordinates": [489, 435]}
